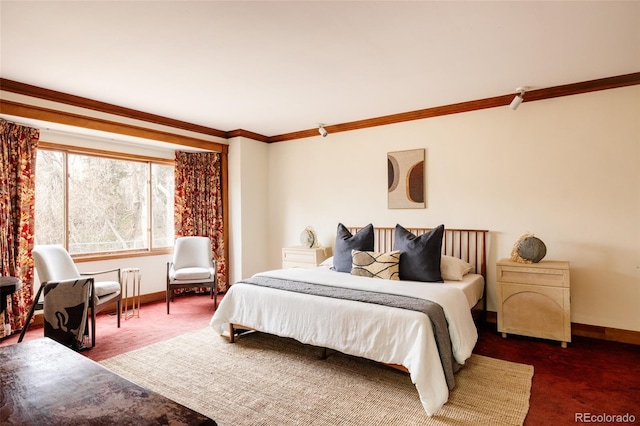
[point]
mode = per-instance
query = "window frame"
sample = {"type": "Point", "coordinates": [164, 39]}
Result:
{"type": "Point", "coordinates": [149, 160]}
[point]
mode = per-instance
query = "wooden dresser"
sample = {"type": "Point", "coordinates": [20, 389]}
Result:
{"type": "Point", "coordinates": [303, 257]}
{"type": "Point", "coordinates": [534, 299]}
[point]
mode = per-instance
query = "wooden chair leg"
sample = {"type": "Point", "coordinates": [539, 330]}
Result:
{"type": "Point", "coordinates": [30, 315]}
{"type": "Point", "coordinates": [119, 307]}
{"type": "Point", "coordinates": [168, 286]}
{"type": "Point", "coordinates": [93, 327]}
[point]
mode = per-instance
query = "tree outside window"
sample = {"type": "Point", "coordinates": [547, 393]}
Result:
{"type": "Point", "coordinates": [111, 204]}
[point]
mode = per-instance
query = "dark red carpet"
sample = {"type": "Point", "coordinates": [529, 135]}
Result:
{"type": "Point", "coordinates": [589, 378]}
{"type": "Point", "coordinates": [188, 313]}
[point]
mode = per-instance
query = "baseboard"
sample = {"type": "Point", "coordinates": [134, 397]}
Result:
{"type": "Point", "coordinates": [153, 297]}
{"type": "Point", "coordinates": [606, 333]}
{"type": "Point", "coordinates": [593, 331]}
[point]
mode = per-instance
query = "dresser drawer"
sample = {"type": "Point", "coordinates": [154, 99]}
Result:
{"type": "Point", "coordinates": [550, 273]}
{"type": "Point", "coordinates": [299, 255]}
{"type": "Point", "coordinates": [303, 257]}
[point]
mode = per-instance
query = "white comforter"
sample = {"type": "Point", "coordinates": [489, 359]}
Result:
{"type": "Point", "coordinates": [379, 333]}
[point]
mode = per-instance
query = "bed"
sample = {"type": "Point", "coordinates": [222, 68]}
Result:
{"type": "Point", "coordinates": [400, 337]}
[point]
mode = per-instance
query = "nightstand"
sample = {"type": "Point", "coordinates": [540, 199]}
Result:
{"type": "Point", "coordinates": [534, 299]}
{"type": "Point", "coordinates": [303, 257]}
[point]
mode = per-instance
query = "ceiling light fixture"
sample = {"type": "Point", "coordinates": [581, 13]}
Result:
{"type": "Point", "coordinates": [517, 100]}
{"type": "Point", "coordinates": [322, 130]}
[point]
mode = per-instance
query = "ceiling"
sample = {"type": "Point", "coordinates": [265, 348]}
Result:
{"type": "Point", "coordinates": [278, 67]}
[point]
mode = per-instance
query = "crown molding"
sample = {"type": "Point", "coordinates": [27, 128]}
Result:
{"type": "Point", "coordinates": [61, 117]}
{"type": "Point", "coordinates": [247, 134]}
{"type": "Point", "coordinates": [474, 105]}
{"type": "Point", "coordinates": [78, 101]}
{"type": "Point", "coordinates": [496, 101]}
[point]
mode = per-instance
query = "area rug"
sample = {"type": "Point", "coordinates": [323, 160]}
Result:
{"type": "Point", "coordinates": [267, 380]}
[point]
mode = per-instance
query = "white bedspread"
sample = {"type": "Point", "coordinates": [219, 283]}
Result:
{"type": "Point", "coordinates": [379, 333]}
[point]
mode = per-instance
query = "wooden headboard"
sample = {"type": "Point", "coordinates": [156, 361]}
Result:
{"type": "Point", "coordinates": [469, 245]}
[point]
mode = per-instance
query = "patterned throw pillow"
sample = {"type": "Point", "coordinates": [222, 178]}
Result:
{"type": "Point", "coordinates": [376, 265]}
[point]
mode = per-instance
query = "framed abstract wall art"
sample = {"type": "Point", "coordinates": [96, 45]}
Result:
{"type": "Point", "coordinates": [406, 183]}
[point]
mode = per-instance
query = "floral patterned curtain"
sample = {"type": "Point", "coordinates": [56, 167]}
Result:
{"type": "Point", "coordinates": [17, 203]}
{"type": "Point", "coordinates": [198, 203]}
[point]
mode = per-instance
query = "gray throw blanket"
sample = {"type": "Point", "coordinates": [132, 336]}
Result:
{"type": "Point", "coordinates": [431, 309]}
{"type": "Point", "coordinates": [65, 310]}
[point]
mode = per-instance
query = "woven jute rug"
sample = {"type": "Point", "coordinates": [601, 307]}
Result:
{"type": "Point", "coordinates": [267, 380]}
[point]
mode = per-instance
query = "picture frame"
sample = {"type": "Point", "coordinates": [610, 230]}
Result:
{"type": "Point", "coordinates": [406, 187]}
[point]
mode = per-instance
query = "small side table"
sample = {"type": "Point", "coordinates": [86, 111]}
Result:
{"type": "Point", "coordinates": [303, 257]}
{"type": "Point", "coordinates": [8, 286]}
{"type": "Point", "coordinates": [534, 299]}
{"type": "Point", "coordinates": [130, 277]}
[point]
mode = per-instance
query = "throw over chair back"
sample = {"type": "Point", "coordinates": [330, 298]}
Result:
{"type": "Point", "coordinates": [192, 267]}
{"type": "Point", "coordinates": [54, 264]}
{"type": "Point", "coordinates": [66, 304]}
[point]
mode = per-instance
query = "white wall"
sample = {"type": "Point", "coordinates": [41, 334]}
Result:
{"type": "Point", "coordinates": [248, 193]}
{"type": "Point", "coordinates": [567, 169]}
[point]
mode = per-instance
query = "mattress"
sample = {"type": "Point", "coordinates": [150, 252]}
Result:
{"type": "Point", "coordinates": [380, 333]}
{"type": "Point", "coordinates": [472, 285]}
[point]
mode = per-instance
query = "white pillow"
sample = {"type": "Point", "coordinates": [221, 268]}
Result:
{"type": "Point", "coordinates": [453, 269]}
{"type": "Point", "coordinates": [328, 262]}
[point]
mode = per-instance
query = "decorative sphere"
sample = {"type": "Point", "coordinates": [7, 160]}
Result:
{"type": "Point", "coordinates": [307, 238]}
{"type": "Point", "coordinates": [533, 249]}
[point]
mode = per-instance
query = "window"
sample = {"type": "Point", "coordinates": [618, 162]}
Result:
{"type": "Point", "coordinates": [162, 185]}
{"type": "Point", "coordinates": [102, 204]}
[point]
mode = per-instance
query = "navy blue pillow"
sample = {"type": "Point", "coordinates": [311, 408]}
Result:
{"type": "Point", "coordinates": [419, 255]}
{"type": "Point", "coordinates": [345, 242]}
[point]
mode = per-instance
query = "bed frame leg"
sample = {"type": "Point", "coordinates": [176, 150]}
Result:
{"type": "Point", "coordinates": [232, 334]}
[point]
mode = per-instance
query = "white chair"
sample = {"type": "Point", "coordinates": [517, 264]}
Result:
{"type": "Point", "coordinates": [54, 264]}
{"type": "Point", "coordinates": [192, 267]}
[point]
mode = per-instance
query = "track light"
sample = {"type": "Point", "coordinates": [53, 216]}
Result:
{"type": "Point", "coordinates": [322, 131]}
{"type": "Point", "coordinates": [517, 100]}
